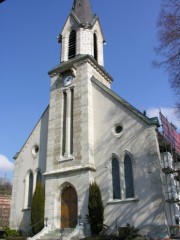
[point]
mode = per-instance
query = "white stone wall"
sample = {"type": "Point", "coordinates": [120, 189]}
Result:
{"type": "Point", "coordinates": [54, 186]}
{"type": "Point", "coordinates": [84, 41]}
{"type": "Point", "coordinates": [146, 209]}
{"type": "Point", "coordinates": [20, 214]}
{"type": "Point", "coordinates": [100, 42]}
{"type": "Point", "coordinates": [65, 40]}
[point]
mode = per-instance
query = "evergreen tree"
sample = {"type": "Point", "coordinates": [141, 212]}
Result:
{"type": "Point", "coordinates": [96, 209]}
{"type": "Point", "coordinates": [37, 209]}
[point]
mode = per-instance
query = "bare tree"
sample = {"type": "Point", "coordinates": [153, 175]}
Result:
{"type": "Point", "coordinates": [169, 44]}
{"type": "Point", "coordinates": [5, 186]}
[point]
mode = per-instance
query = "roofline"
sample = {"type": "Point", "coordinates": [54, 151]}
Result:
{"type": "Point", "coordinates": [149, 121]}
{"type": "Point", "coordinates": [64, 66]}
{"type": "Point", "coordinates": [80, 24]}
{"type": "Point", "coordinates": [17, 154]}
{"type": "Point", "coordinates": [95, 19]}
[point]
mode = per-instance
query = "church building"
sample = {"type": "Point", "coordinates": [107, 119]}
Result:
{"type": "Point", "coordinates": [90, 134]}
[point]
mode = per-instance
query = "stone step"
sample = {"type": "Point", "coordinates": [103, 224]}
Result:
{"type": "Point", "coordinates": [56, 234]}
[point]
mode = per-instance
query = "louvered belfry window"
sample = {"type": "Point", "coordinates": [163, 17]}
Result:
{"type": "Point", "coordinates": [72, 45]}
{"type": "Point", "coordinates": [95, 47]}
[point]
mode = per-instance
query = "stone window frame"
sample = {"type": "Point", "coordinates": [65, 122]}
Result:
{"type": "Point", "coordinates": [122, 178]}
{"type": "Point", "coordinates": [67, 152]}
{"type": "Point", "coordinates": [118, 135]}
{"type": "Point", "coordinates": [27, 197]}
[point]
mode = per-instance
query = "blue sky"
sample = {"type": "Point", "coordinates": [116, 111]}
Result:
{"type": "Point", "coordinates": [29, 49]}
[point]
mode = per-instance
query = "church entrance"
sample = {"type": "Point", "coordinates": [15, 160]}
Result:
{"type": "Point", "coordinates": [68, 208]}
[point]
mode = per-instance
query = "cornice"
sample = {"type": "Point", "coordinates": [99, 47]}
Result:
{"type": "Point", "coordinates": [70, 169]}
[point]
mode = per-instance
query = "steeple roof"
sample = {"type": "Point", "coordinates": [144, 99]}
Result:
{"type": "Point", "coordinates": [82, 10]}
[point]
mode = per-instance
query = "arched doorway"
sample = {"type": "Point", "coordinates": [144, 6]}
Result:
{"type": "Point", "coordinates": [68, 208]}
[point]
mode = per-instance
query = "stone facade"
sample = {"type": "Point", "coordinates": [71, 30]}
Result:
{"type": "Point", "coordinates": [85, 128]}
{"type": "Point", "coordinates": [28, 161]}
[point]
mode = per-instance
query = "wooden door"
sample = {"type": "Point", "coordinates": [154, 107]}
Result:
{"type": "Point", "coordinates": [69, 208]}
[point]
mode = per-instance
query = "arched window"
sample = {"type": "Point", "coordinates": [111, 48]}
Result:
{"type": "Point", "coordinates": [64, 123]}
{"type": "Point", "coordinates": [72, 45]}
{"type": "Point", "coordinates": [116, 179]}
{"type": "Point", "coordinates": [95, 47]}
{"type": "Point", "coordinates": [128, 173]}
{"type": "Point", "coordinates": [72, 122]}
{"type": "Point", "coordinates": [30, 189]}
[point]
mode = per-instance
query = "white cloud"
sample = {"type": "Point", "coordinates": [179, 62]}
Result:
{"type": "Point", "coordinates": [167, 112]}
{"type": "Point", "coordinates": [5, 164]}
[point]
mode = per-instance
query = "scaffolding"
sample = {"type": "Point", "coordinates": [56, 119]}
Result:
{"type": "Point", "coordinates": [170, 164]}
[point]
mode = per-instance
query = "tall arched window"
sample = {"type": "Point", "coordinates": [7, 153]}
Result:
{"type": "Point", "coordinates": [128, 173]}
{"type": "Point", "coordinates": [72, 122]}
{"type": "Point", "coordinates": [116, 179]}
{"type": "Point", "coordinates": [30, 189]}
{"type": "Point", "coordinates": [72, 45]}
{"type": "Point", "coordinates": [95, 47]}
{"type": "Point", "coordinates": [64, 123]}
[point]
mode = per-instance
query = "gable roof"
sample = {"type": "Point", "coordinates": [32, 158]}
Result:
{"type": "Point", "coordinates": [17, 154]}
{"type": "Point", "coordinates": [149, 121]}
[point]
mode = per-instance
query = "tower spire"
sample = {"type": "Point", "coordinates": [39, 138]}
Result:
{"type": "Point", "coordinates": [82, 34]}
{"type": "Point", "coordinates": [82, 10]}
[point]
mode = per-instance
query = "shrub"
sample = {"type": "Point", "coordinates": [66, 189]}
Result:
{"type": "Point", "coordinates": [128, 232]}
{"type": "Point", "coordinates": [10, 232]}
{"type": "Point", "coordinates": [37, 209]}
{"type": "Point", "coordinates": [140, 238]}
{"type": "Point", "coordinates": [96, 209]}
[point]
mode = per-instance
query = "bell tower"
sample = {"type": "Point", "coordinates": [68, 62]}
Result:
{"type": "Point", "coordinates": [70, 146]}
{"type": "Point", "coordinates": [82, 34]}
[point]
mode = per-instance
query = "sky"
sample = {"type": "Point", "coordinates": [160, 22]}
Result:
{"type": "Point", "coordinates": [29, 49]}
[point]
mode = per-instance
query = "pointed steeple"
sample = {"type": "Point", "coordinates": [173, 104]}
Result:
{"type": "Point", "coordinates": [82, 34]}
{"type": "Point", "coordinates": [82, 10]}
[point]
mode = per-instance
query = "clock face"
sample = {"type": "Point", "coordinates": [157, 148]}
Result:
{"type": "Point", "coordinates": [68, 80]}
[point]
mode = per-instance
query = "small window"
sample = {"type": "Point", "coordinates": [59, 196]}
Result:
{"type": "Point", "coordinates": [35, 150]}
{"type": "Point", "coordinates": [95, 47]}
{"type": "Point", "coordinates": [72, 45]}
{"type": "Point", "coordinates": [118, 129]}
